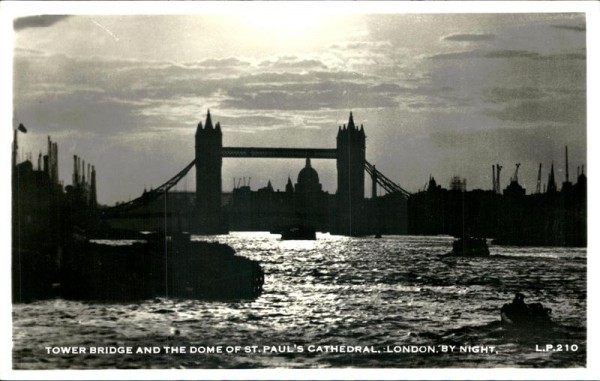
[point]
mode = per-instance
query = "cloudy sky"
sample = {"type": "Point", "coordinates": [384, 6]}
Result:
{"type": "Point", "coordinates": [440, 94]}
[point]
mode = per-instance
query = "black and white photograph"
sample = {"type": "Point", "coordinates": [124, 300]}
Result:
{"type": "Point", "coordinates": [297, 186]}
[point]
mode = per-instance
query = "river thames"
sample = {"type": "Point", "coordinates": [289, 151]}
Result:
{"type": "Point", "coordinates": [334, 302]}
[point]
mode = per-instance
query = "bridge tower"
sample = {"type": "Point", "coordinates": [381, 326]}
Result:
{"type": "Point", "coordinates": [351, 178]}
{"type": "Point", "coordinates": [209, 142]}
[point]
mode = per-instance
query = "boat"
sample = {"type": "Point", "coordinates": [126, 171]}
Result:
{"type": "Point", "coordinates": [298, 232]}
{"type": "Point", "coordinates": [470, 247]}
{"type": "Point", "coordinates": [520, 314]}
{"type": "Point", "coordinates": [158, 266]}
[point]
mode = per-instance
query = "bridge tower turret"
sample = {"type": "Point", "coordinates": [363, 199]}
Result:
{"type": "Point", "coordinates": [351, 178]}
{"type": "Point", "coordinates": [209, 142]}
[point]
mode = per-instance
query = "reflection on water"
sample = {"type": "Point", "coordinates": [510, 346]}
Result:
{"type": "Point", "coordinates": [394, 291]}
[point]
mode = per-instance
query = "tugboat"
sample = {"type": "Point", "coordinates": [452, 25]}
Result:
{"type": "Point", "coordinates": [520, 314]}
{"type": "Point", "coordinates": [298, 232]}
{"type": "Point", "coordinates": [470, 247]}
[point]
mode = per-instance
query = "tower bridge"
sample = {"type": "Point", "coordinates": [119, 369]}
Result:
{"type": "Point", "coordinates": [208, 216]}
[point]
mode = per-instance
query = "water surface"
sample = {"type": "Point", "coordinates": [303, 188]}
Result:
{"type": "Point", "coordinates": [335, 291]}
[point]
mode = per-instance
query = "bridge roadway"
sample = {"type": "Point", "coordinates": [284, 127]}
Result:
{"type": "Point", "coordinates": [301, 153]}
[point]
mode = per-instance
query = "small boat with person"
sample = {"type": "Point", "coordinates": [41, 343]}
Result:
{"type": "Point", "coordinates": [520, 314]}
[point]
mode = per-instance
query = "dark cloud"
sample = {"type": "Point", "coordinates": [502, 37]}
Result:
{"type": "Point", "coordinates": [329, 93]}
{"type": "Point", "coordinates": [219, 63]}
{"type": "Point", "coordinates": [426, 105]}
{"type": "Point", "coordinates": [459, 55]}
{"type": "Point", "coordinates": [424, 90]}
{"type": "Point", "coordinates": [307, 96]}
{"type": "Point", "coordinates": [363, 46]}
{"type": "Point", "coordinates": [254, 120]}
{"type": "Point", "coordinates": [472, 37]}
{"type": "Point", "coordinates": [564, 56]}
{"type": "Point", "coordinates": [507, 53]}
{"type": "Point", "coordinates": [389, 88]}
{"type": "Point", "coordinates": [293, 62]}
{"type": "Point", "coordinates": [561, 110]}
{"type": "Point", "coordinates": [576, 28]}
{"type": "Point", "coordinates": [41, 21]}
{"type": "Point", "coordinates": [507, 94]}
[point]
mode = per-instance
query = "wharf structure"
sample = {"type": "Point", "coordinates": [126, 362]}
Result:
{"type": "Point", "coordinates": [45, 215]}
{"type": "Point", "coordinates": [551, 218]}
{"type": "Point", "coordinates": [54, 252]}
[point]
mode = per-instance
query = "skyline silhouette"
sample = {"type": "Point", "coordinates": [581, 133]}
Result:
{"type": "Point", "coordinates": [453, 99]}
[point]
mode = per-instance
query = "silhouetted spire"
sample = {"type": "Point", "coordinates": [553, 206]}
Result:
{"type": "Point", "coordinates": [551, 183]}
{"type": "Point", "coordinates": [289, 187]}
{"type": "Point", "coordinates": [432, 184]}
{"type": "Point", "coordinates": [208, 124]}
{"type": "Point", "coordinates": [308, 162]}
{"type": "Point", "coordinates": [351, 122]}
{"type": "Point", "coordinates": [218, 127]}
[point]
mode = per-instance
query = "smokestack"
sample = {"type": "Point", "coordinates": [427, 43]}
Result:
{"type": "Point", "coordinates": [74, 170]}
{"type": "Point", "coordinates": [567, 162]}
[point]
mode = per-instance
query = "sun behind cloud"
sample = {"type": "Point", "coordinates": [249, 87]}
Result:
{"type": "Point", "coordinates": [292, 27]}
